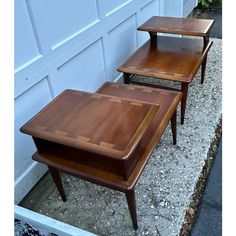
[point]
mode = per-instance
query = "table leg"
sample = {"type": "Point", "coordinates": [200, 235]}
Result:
{"type": "Point", "coordinates": [130, 196]}
{"type": "Point", "coordinates": [126, 78]}
{"type": "Point", "coordinates": [57, 180]}
{"type": "Point", "coordinates": [203, 69]}
{"type": "Point", "coordinates": [184, 90]}
{"type": "Point", "coordinates": [153, 37]}
{"type": "Point", "coordinates": [173, 127]}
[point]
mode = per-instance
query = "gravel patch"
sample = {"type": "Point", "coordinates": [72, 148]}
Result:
{"type": "Point", "coordinates": [165, 189]}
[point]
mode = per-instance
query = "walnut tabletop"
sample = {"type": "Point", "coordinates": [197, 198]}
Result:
{"type": "Point", "coordinates": [132, 112]}
{"type": "Point", "coordinates": [168, 101]}
{"type": "Point", "coordinates": [171, 58]}
{"type": "Point", "coordinates": [173, 25]}
{"type": "Point", "coordinates": [96, 123]}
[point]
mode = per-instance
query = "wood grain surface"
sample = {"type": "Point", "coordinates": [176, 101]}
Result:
{"type": "Point", "coordinates": [174, 25]}
{"type": "Point", "coordinates": [100, 124]}
{"type": "Point", "coordinates": [171, 58]}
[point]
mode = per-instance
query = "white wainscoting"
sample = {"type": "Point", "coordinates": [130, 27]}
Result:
{"type": "Point", "coordinates": [70, 44]}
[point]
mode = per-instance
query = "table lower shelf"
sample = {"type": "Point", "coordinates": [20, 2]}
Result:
{"type": "Point", "coordinates": [169, 58]}
{"type": "Point", "coordinates": [74, 165]}
{"type": "Point", "coordinates": [144, 149]}
{"type": "Point", "coordinates": [92, 174]}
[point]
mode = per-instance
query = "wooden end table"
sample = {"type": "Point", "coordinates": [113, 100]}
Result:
{"type": "Point", "coordinates": [171, 58]}
{"type": "Point", "coordinates": [103, 139]}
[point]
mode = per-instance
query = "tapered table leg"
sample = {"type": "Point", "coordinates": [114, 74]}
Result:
{"type": "Point", "coordinates": [184, 90]}
{"type": "Point", "coordinates": [57, 180]}
{"type": "Point", "coordinates": [173, 127]}
{"type": "Point", "coordinates": [203, 69]}
{"type": "Point", "coordinates": [130, 196]}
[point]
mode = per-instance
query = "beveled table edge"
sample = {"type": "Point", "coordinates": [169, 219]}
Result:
{"type": "Point", "coordinates": [117, 182]}
{"type": "Point", "coordinates": [106, 178]}
{"type": "Point", "coordinates": [142, 27]}
{"type": "Point", "coordinates": [141, 72]}
{"type": "Point", "coordinates": [106, 151]}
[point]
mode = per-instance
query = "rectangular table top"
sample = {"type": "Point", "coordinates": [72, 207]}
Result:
{"type": "Point", "coordinates": [170, 58]}
{"type": "Point", "coordinates": [173, 25]}
{"type": "Point", "coordinates": [168, 101]}
{"type": "Point", "coordinates": [96, 123]}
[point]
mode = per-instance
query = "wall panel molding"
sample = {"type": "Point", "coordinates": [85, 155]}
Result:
{"type": "Point", "coordinates": [75, 42]}
{"type": "Point", "coordinates": [117, 7]}
{"type": "Point", "coordinates": [36, 34]}
{"type": "Point", "coordinates": [76, 34]}
{"type": "Point", "coordinates": [26, 48]}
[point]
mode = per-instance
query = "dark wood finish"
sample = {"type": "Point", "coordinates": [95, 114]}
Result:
{"type": "Point", "coordinates": [94, 167]}
{"type": "Point", "coordinates": [76, 119]}
{"type": "Point", "coordinates": [126, 78]}
{"type": "Point", "coordinates": [176, 59]}
{"type": "Point", "coordinates": [153, 38]}
{"type": "Point", "coordinates": [130, 197]}
{"type": "Point", "coordinates": [79, 123]}
{"type": "Point", "coordinates": [164, 98]}
{"type": "Point", "coordinates": [173, 25]}
{"type": "Point", "coordinates": [203, 70]}
{"type": "Point", "coordinates": [142, 83]}
{"type": "Point", "coordinates": [205, 43]}
{"type": "Point", "coordinates": [57, 180]}
{"type": "Point", "coordinates": [168, 100]}
{"type": "Point", "coordinates": [205, 40]}
{"type": "Point", "coordinates": [184, 90]}
{"type": "Point", "coordinates": [173, 128]}
{"type": "Point", "coordinates": [171, 58]}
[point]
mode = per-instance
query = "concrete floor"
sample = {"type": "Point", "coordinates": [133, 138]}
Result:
{"type": "Point", "coordinates": [217, 28]}
{"type": "Point", "coordinates": [209, 222]}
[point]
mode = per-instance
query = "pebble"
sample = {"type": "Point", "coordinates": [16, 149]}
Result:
{"type": "Point", "coordinates": [162, 204]}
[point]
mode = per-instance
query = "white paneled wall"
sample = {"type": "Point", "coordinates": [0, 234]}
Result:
{"type": "Point", "coordinates": [70, 44]}
{"type": "Point", "coordinates": [177, 8]}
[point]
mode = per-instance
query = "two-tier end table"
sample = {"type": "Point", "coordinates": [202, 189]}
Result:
{"type": "Point", "coordinates": [104, 139]}
{"type": "Point", "coordinates": [171, 58]}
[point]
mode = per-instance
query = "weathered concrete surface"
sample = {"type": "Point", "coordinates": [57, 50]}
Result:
{"type": "Point", "coordinates": [164, 190]}
{"type": "Point", "coordinates": [209, 222]}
